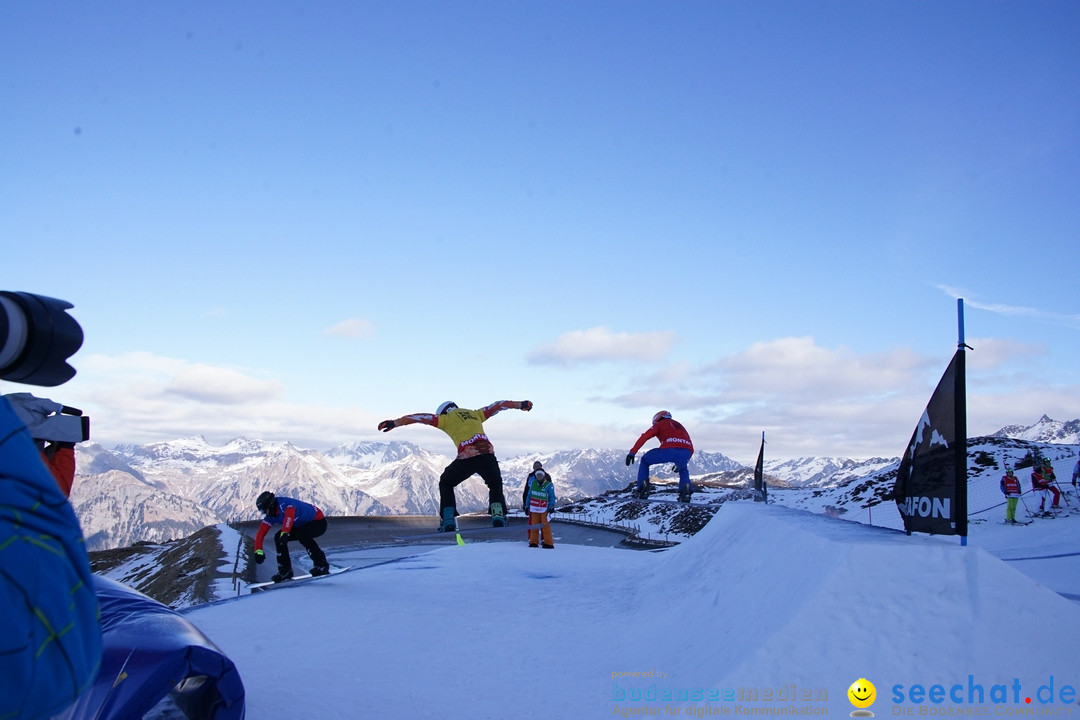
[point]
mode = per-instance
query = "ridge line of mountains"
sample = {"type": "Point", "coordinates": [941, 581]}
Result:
{"type": "Point", "coordinates": [161, 491]}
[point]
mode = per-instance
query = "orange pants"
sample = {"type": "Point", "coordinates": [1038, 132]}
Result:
{"type": "Point", "coordinates": [540, 519]}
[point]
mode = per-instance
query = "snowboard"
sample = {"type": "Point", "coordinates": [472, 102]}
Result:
{"type": "Point", "coordinates": [296, 580]}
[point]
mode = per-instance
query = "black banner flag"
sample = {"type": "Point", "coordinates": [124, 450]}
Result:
{"type": "Point", "coordinates": [759, 474]}
{"type": "Point", "coordinates": [931, 484]}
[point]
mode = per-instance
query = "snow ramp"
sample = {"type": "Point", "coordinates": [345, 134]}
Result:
{"type": "Point", "coordinates": [763, 603]}
{"type": "Point", "coordinates": [807, 601]}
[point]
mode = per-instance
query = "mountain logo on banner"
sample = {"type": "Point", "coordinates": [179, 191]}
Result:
{"type": "Point", "coordinates": [924, 441]}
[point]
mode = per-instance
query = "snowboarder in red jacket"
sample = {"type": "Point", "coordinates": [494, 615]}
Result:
{"type": "Point", "coordinates": [299, 521]}
{"type": "Point", "coordinates": [675, 448]}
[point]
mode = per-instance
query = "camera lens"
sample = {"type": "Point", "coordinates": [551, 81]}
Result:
{"type": "Point", "coordinates": [37, 336]}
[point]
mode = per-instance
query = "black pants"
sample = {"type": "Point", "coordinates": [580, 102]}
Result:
{"type": "Point", "coordinates": [457, 472]}
{"type": "Point", "coordinates": [304, 534]}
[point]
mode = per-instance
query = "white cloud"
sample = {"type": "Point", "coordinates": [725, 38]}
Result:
{"type": "Point", "coordinates": [1066, 319]}
{"type": "Point", "coordinates": [599, 344]}
{"type": "Point", "coordinates": [351, 328]}
{"type": "Point", "coordinates": [810, 399]}
{"type": "Point", "coordinates": [140, 398]}
{"type": "Point", "coordinates": [815, 400]}
{"type": "Point", "coordinates": [989, 411]}
{"type": "Point", "coordinates": [151, 377]}
{"type": "Point", "coordinates": [220, 386]}
{"type": "Point", "coordinates": [799, 368]}
{"type": "Point", "coordinates": [988, 354]}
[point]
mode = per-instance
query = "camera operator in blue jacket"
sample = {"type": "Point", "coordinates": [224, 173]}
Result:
{"type": "Point", "coordinates": [50, 639]}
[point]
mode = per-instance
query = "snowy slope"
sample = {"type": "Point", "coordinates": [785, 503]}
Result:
{"type": "Point", "coordinates": [765, 602]}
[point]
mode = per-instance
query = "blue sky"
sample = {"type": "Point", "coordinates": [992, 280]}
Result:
{"type": "Point", "coordinates": [290, 221]}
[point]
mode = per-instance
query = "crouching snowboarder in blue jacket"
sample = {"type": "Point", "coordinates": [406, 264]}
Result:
{"type": "Point", "coordinates": [299, 521]}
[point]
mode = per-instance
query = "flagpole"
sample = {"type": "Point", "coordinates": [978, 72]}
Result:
{"type": "Point", "coordinates": [960, 323]}
{"type": "Point", "coordinates": [961, 428]}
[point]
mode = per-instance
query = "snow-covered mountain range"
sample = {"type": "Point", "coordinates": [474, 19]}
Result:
{"type": "Point", "coordinates": [209, 566]}
{"type": "Point", "coordinates": [157, 492]}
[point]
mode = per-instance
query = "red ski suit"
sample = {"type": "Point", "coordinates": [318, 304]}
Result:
{"type": "Point", "coordinates": [670, 433]}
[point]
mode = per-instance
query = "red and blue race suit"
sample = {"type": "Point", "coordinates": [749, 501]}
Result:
{"type": "Point", "coordinates": [675, 448]}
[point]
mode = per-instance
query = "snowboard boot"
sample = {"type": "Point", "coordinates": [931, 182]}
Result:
{"type": "Point", "coordinates": [320, 570]}
{"type": "Point", "coordinates": [318, 559]}
{"type": "Point", "coordinates": [284, 568]}
{"type": "Point", "coordinates": [534, 545]}
{"type": "Point", "coordinates": [498, 517]}
{"type": "Point", "coordinates": [548, 547]}
{"type": "Point", "coordinates": [447, 523]}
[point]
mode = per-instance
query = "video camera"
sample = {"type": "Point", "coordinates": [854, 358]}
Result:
{"type": "Point", "coordinates": [50, 421]}
{"type": "Point", "coordinates": [37, 336]}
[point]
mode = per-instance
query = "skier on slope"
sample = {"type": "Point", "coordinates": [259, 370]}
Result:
{"type": "Point", "coordinates": [475, 454]}
{"type": "Point", "coordinates": [1051, 481]}
{"type": "Point", "coordinates": [299, 521]}
{"type": "Point", "coordinates": [539, 501]}
{"type": "Point", "coordinates": [1040, 483]}
{"type": "Point", "coordinates": [1010, 485]}
{"type": "Point", "coordinates": [1076, 475]}
{"type": "Point", "coordinates": [675, 447]}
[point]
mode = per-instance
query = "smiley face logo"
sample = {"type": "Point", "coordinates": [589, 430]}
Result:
{"type": "Point", "coordinates": [862, 693]}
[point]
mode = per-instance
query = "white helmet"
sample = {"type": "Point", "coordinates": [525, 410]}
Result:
{"type": "Point", "coordinates": [662, 415]}
{"type": "Point", "coordinates": [446, 407]}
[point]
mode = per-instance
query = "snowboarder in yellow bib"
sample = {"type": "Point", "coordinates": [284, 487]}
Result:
{"type": "Point", "coordinates": [475, 454]}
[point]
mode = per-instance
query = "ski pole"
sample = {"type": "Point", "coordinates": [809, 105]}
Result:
{"type": "Point", "coordinates": [1026, 508]}
{"type": "Point", "coordinates": [1063, 495]}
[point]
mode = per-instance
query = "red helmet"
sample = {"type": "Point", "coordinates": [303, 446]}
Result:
{"type": "Point", "coordinates": [662, 415]}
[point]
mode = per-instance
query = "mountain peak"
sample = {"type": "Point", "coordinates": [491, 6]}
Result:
{"type": "Point", "coordinates": [1045, 429]}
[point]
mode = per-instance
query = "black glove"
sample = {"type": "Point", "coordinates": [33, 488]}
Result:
{"type": "Point", "coordinates": [526, 405]}
{"type": "Point", "coordinates": [629, 459]}
{"type": "Point", "coordinates": [283, 537]}
{"type": "Point", "coordinates": [259, 557]}
{"type": "Point", "coordinates": [386, 425]}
